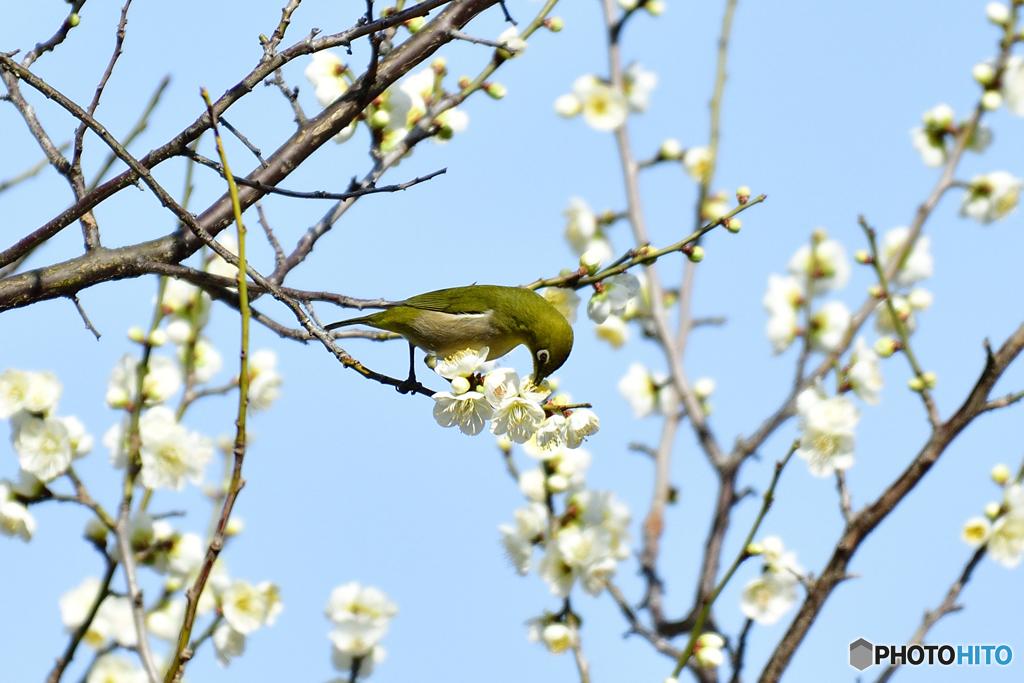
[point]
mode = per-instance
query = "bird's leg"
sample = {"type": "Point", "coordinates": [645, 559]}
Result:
{"type": "Point", "coordinates": [410, 383]}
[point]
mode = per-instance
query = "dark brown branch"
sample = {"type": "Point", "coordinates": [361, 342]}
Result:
{"type": "Point", "coordinates": [866, 520]}
{"type": "Point", "coordinates": [104, 265]}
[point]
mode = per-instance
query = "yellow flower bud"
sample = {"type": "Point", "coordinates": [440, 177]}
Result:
{"type": "Point", "coordinates": [1000, 474]}
{"type": "Point", "coordinates": [743, 194]}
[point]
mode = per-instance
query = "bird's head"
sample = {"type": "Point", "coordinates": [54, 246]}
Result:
{"type": "Point", "coordinates": [551, 343]}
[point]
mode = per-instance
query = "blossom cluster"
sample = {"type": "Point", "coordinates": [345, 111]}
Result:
{"type": "Point", "coordinates": [515, 407]}
{"type": "Point", "coordinates": [603, 106]}
{"type": "Point", "coordinates": [45, 442]}
{"type": "Point", "coordinates": [396, 111]}
{"type": "Point", "coordinates": [1001, 529]}
{"type": "Point", "coordinates": [772, 594]}
{"type": "Point", "coordinates": [360, 615]}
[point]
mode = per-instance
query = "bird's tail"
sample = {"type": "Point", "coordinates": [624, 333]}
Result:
{"type": "Point", "coordinates": [362, 320]}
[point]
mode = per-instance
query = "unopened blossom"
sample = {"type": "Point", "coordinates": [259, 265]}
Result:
{"type": "Point", "coordinates": [512, 44]}
{"type": "Point", "coordinates": [568, 106]}
{"type": "Point", "coordinates": [991, 197]}
{"type": "Point", "coordinates": [42, 444]}
{"type": "Point", "coordinates": [865, 374]}
{"type": "Point", "coordinates": [15, 519]}
{"type": "Point", "coordinates": [915, 266]}
{"type": "Point", "coordinates": [518, 540]}
{"type": "Point", "coordinates": [827, 268]}
{"type": "Point", "coordinates": [827, 431]}
{"type": "Point", "coordinates": [638, 85]}
{"type": "Point", "coordinates": [556, 636]}
{"type": "Point", "coordinates": [708, 650]}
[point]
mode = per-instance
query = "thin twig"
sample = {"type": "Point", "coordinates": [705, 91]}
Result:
{"type": "Point", "coordinates": [85, 318]}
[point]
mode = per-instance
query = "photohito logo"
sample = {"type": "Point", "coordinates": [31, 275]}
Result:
{"type": "Point", "coordinates": [863, 654]}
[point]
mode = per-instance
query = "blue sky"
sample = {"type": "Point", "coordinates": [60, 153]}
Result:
{"type": "Point", "coordinates": [346, 480]}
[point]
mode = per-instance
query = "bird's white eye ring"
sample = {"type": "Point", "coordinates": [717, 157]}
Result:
{"type": "Point", "coordinates": [543, 355]}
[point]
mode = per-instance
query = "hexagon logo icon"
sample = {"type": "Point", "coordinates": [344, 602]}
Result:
{"type": "Point", "coordinates": [861, 654]}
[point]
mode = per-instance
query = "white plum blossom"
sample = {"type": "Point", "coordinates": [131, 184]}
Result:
{"type": "Point", "coordinates": [766, 598]}
{"type": "Point", "coordinates": [247, 607]}
{"type": "Point", "coordinates": [264, 381]}
{"type": "Point", "coordinates": [15, 519]}
{"type": "Point", "coordinates": [530, 525]}
{"type": "Point", "coordinates": [991, 197]}
{"type": "Point", "coordinates": [216, 265]}
{"type": "Point", "coordinates": [42, 444]}
{"type": "Point", "coordinates": [163, 379]}
{"type": "Point", "coordinates": [518, 417]}
{"type": "Point", "coordinates": [647, 393]}
{"type": "Point", "coordinates": [602, 509]}
{"type": "Point", "coordinates": [80, 440]}
{"type": "Point", "coordinates": [976, 531]}
{"type": "Point", "coordinates": [828, 269]}
{"type": "Point", "coordinates": [461, 364]}
{"type": "Point", "coordinates": [227, 643]}
{"type": "Point", "coordinates": [111, 668]}
{"type": "Point", "coordinates": [581, 225]}
{"type": "Point", "coordinates": [915, 300]}
{"type": "Point", "coordinates": [115, 619]}
{"type": "Point", "coordinates": [326, 72]}
{"type": "Point", "coordinates": [532, 484]}
{"type": "Point", "coordinates": [603, 107]}
{"type": "Point", "coordinates": [614, 331]}
{"type": "Point", "coordinates": [165, 621]}
{"type": "Point", "coordinates": [177, 455]}
{"type": "Point", "coordinates": [565, 300]}
{"type": "Point", "coordinates": [828, 326]}
{"type": "Point", "coordinates": [783, 299]}
{"type": "Point", "coordinates": [916, 266]}
{"type": "Point", "coordinates": [468, 411]}
{"type": "Point", "coordinates": [206, 359]}
{"type": "Point", "coordinates": [619, 291]}
{"type": "Point", "coordinates": [697, 162]}
{"type": "Point", "coordinates": [827, 431]}
{"type": "Point", "coordinates": [638, 85]}
{"type": "Point", "coordinates": [580, 424]}
{"type": "Point", "coordinates": [930, 140]}
{"type": "Point", "coordinates": [1013, 84]}
{"type": "Point", "coordinates": [865, 374]}
{"type": "Point", "coordinates": [584, 554]}
{"type": "Point", "coordinates": [360, 616]}
{"type": "Point", "coordinates": [1005, 542]}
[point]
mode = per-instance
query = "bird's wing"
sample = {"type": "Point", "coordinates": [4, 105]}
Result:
{"type": "Point", "coordinates": [458, 300]}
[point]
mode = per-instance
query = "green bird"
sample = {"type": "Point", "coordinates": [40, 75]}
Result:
{"type": "Point", "coordinates": [501, 318]}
